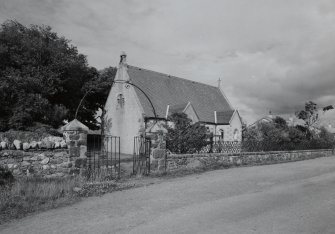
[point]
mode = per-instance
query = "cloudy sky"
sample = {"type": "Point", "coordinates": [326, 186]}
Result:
{"type": "Point", "coordinates": [270, 54]}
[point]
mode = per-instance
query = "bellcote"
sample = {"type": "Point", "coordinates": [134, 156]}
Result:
{"type": "Point", "coordinates": [122, 73]}
{"type": "Point", "coordinates": [123, 59]}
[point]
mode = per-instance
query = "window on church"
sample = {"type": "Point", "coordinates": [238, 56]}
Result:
{"type": "Point", "coordinates": [221, 134]}
{"type": "Point", "coordinates": [120, 101]}
{"type": "Point", "coordinates": [236, 134]}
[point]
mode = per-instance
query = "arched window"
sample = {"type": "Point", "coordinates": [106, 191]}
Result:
{"type": "Point", "coordinates": [236, 134]}
{"type": "Point", "coordinates": [120, 101]}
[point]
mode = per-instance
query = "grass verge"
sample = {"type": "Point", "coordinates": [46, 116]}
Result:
{"type": "Point", "coordinates": [29, 195]}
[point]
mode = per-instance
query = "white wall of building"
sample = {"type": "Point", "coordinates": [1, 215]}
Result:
{"type": "Point", "coordinates": [231, 132]}
{"type": "Point", "coordinates": [126, 120]}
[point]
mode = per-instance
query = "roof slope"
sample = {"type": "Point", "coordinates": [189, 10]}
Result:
{"type": "Point", "coordinates": [224, 117]}
{"type": "Point", "coordinates": [166, 90]}
{"type": "Point", "coordinates": [177, 108]}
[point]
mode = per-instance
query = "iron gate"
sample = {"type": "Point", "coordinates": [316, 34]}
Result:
{"type": "Point", "coordinates": [103, 157]}
{"type": "Point", "coordinates": [141, 157]}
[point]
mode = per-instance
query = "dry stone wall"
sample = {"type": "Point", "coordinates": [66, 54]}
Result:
{"type": "Point", "coordinates": [49, 163]}
{"type": "Point", "coordinates": [177, 162]}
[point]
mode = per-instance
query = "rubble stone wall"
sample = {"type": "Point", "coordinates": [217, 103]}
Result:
{"type": "Point", "coordinates": [177, 162]}
{"type": "Point", "coordinates": [48, 163]}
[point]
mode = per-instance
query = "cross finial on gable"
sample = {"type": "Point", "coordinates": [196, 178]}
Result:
{"type": "Point", "coordinates": [219, 82]}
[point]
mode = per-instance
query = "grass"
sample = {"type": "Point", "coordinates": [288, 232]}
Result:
{"type": "Point", "coordinates": [29, 195]}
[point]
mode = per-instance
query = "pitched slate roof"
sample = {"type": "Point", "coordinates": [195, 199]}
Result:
{"type": "Point", "coordinates": [223, 117]}
{"type": "Point", "coordinates": [166, 90]}
{"type": "Point", "coordinates": [177, 108]}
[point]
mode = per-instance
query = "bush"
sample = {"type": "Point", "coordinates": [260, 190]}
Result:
{"type": "Point", "coordinates": [185, 137]}
{"type": "Point", "coordinates": [6, 177]}
{"type": "Point", "coordinates": [36, 133]}
{"type": "Point", "coordinates": [276, 136]}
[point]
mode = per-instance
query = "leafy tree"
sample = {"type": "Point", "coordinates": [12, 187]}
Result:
{"type": "Point", "coordinates": [95, 95]}
{"type": "Point", "coordinates": [325, 137]}
{"type": "Point", "coordinates": [276, 135]}
{"type": "Point", "coordinates": [43, 78]}
{"type": "Point", "coordinates": [280, 122]}
{"type": "Point", "coordinates": [309, 114]}
{"type": "Point", "coordinates": [185, 137]}
{"type": "Point", "coordinates": [327, 108]}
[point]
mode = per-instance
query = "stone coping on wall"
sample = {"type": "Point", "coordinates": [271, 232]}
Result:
{"type": "Point", "coordinates": [23, 153]}
{"type": "Point", "coordinates": [244, 153]}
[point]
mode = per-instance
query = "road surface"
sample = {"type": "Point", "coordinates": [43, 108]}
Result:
{"type": "Point", "coordinates": [294, 197]}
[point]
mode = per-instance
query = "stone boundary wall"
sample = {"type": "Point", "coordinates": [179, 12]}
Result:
{"type": "Point", "coordinates": [176, 162]}
{"type": "Point", "coordinates": [48, 163]}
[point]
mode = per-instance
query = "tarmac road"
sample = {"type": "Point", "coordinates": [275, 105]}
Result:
{"type": "Point", "coordinates": [294, 197]}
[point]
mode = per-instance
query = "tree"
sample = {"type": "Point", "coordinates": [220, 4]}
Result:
{"type": "Point", "coordinates": [327, 108]}
{"type": "Point", "coordinates": [95, 95]}
{"type": "Point", "coordinates": [310, 114]}
{"type": "Point", "coordinates": [43, 78]}
{"type": "Point", "coordinates": [185, 137]}
{"type": "Point", "coordinates": [280, 122]}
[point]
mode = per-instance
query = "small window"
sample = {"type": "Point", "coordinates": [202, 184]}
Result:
{"type": "Point", "coordinates": [236, 134]}
{"type": "Point", "coordinates": [120, 101]}
{"type": "Point", "coordinates": [221, 134]}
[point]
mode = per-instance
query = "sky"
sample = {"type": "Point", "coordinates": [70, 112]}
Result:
{"type": "Point", "coordinates": [271, 55]}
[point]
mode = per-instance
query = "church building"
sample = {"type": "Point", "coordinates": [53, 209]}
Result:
{"type": "Point", "coordinates": [139, 96]}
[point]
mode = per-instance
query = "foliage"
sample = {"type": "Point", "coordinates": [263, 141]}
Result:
{"type": "Point", "coordinates": [97, 91]}
{"type": "Point", "coordinates": [32, 134]}
{"type": "Point", "coordinates": [276, 135]}
{"type": "Point", "coordinates": [309, 114]}
{"type": "Point", "coordinates": [32, 194]}
{"type": "Point", "coordinates": [43, 78]}
{"type": "Point", "coordinates": [185, 137]}
{"type": "Point", "coordinates": [280, 122]}
{"type": "Point", "coordinates": [327, 108]}
{"type": "Point", "coordinates": [6, 177]}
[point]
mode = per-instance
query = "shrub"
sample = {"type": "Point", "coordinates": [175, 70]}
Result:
{"type": "Point", "coordinates": [185, 137]}
{"type": "Point", "coordinates": [276, 135]}
{"type": "Point", "coordinates": [6, 177]}
{"type": "Point", "coordinates": [36, 133]}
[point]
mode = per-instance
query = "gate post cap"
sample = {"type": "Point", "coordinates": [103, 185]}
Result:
{"type": "Point", "coordinates": [75, 125]}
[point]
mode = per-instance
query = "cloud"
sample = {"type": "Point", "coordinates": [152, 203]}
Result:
{"type": "Point", "coordinates": [271, 55]}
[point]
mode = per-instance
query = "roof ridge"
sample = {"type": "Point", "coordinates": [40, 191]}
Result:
{"type": "Point", "coordinates": [172, 76]}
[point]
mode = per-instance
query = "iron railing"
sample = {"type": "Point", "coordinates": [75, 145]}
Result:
{"type": "Point", "coordinates": [141, 156]}
{"type": "Point", "coordinates": [261, 146]}
{"type": "Point", "coordinates": [103, 157]}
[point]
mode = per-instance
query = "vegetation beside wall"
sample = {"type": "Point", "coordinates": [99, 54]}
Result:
{"type": "Point", "coordinates": [31, 194]}
{"type": "Point", "coordinates": [277, 135]}
{"type": "Point", "coordinates": [185, 137]}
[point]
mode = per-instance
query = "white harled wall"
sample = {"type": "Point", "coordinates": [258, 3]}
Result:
{"type": "Point", "coordinates": [127, 120]}
{"type": "Point", "coordinates": [229, 130]}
